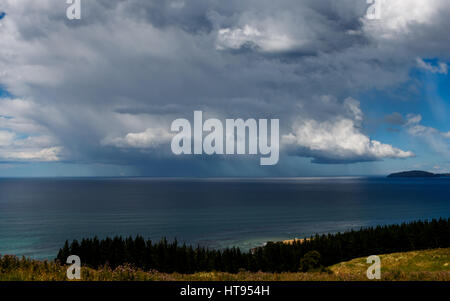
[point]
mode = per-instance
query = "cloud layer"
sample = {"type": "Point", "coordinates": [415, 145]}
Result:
{"type": "Point", "coordinates": [83, 91]}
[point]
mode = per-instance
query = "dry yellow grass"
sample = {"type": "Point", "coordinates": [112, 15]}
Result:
{"type": "Point", "coordinates": [433, 265]}
{"type": "Point", "coordinates": [416, 265]}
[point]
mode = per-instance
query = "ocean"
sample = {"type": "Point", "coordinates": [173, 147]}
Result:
{"type": "Point", "coordinates": [38, 215]}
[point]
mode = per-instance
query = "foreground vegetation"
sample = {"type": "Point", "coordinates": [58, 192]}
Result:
{"type": "Point", "coordinates": [431, 265]}
{"type": "Point", "coordinates": [324, 250]}
{"type": "Point", "coordinates": [415, 251]}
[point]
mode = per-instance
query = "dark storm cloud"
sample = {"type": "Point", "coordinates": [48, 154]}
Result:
{"type": "Point", "coordinates": [128, 66]}
{"type": "Point", "coordinates": [395, 119]}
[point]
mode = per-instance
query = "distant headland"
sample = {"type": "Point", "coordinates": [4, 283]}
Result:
{"type": "Point", "coordinates": [417, 174]}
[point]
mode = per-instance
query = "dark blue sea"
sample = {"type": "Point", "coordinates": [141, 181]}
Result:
{"type": "Point", "coordinates": [38, 215]}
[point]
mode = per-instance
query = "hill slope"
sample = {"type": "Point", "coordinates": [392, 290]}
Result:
{"type": "Point", "coordinates": [414, 265]}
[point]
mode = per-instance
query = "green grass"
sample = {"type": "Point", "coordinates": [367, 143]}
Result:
{"type": "Point", "coordinates": [416, 265]}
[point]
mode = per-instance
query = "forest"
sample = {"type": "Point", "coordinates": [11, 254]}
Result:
{"type": "Point", "coordinates": [317, 251]}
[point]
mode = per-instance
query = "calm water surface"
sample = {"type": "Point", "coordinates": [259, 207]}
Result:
{"type": "Point", "coordinates": [38, 215]}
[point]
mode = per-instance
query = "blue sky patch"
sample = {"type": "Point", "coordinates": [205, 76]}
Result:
{"type": "Point", "coordinates": [4, 93]}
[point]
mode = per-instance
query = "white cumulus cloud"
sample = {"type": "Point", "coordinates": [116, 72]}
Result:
{"type": "Point", "coordinates": [23, 139]}
{"type": "Point", "coordinates": [42, 155]}
{"type": "Point", "coordinates": [338, 141]}
{"type": "Point", "coordinates": [150, 138]}
{"type": "Point", "coordinates": [266, 41]}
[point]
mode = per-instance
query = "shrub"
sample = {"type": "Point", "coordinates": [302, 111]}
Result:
{"type": "Point", "coordinates": [310, 261]}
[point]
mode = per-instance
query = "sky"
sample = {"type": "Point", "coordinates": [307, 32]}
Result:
{"type": "Point", "coordinates": [97, 96]}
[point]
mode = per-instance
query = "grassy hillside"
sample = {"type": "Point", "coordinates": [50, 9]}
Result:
{"type": "Point", "coordinates": [416, 265]}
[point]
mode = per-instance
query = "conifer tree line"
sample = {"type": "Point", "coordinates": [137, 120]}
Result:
{"type": "Point", "coordinates": [169, 257]}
